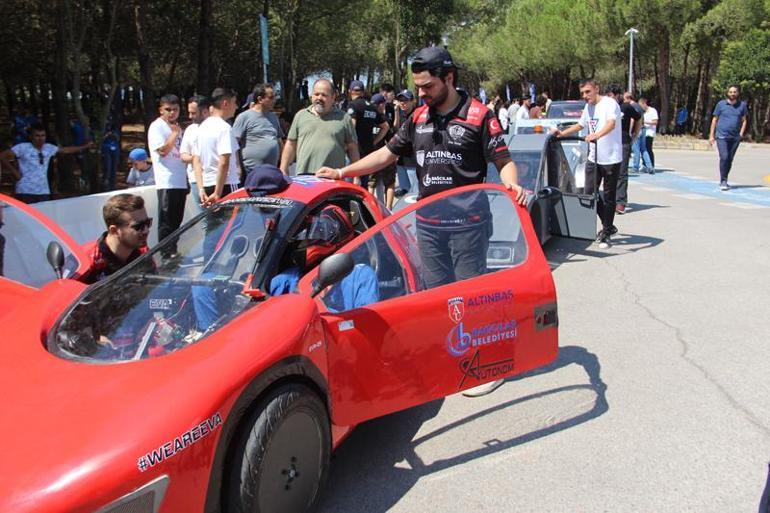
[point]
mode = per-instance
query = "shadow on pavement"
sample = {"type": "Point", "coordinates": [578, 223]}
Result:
{"type": "Point", "coordinates": [764, 501]}
{"type": "Point", "coordinates": [560, 250]}
{"type": "Point", "coordinates": [638, 207]}
{"type": "Point", "coordinates": [368, 470]}
{"type": "Point", "coordinates": [734, 187]}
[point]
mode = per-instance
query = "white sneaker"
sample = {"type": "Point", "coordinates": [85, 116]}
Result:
{"type": "Point", "coordinates": [484, 389]}
{"type": "Point", "coordinates": [724, 186]}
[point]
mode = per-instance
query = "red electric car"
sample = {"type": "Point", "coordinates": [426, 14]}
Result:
{"type": "Point", "coordinates": [180, 384]}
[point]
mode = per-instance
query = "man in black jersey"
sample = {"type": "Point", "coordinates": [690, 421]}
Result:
{"type": "Point", "coordinates": [452, 137]}
{"type": "Point", "coordinates": [365, 118]}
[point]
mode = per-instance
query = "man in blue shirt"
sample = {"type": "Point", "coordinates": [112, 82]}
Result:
{"type": "Point", "coordinates": [727, 128]}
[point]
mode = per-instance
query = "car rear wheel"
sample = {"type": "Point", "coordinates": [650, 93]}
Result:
{"type": "Point", "coordinates": [282, 461]}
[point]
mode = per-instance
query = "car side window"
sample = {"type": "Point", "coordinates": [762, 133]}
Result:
{"type": "Point", "coordinates": [458, 237]}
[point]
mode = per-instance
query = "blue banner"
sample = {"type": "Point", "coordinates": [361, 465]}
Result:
{"type": "Point", "coordinates": [265, 40]}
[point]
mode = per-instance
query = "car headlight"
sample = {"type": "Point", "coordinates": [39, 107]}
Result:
{"type": "Point", "coordinates": [146, 499]}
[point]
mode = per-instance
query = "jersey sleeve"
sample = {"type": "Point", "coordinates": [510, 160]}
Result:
{"type": "Point", "coordinates": [17, 149]}
{"type": "Point", "coordinates": [401, 143]}
{"type": "Point", "coordinates": [493, 139]}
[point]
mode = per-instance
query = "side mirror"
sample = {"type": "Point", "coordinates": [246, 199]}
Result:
{"type": "Point", "coordinates": [332, 270]}
{"type": "Point", "coordinates": [549, 193]}
{"type": "Point", "coordinates": [55, 255]}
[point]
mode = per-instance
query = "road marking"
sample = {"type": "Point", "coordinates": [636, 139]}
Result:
{"type": "Point", "coordinates": [693, 196]}
{"type": "Point", "coordinates": [652, 188]}
{"type": "Point", "coordinates": [744, 206]}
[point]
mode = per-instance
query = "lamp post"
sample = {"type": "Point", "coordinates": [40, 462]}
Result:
{"type": "Point", "coordinates": [630, 33]}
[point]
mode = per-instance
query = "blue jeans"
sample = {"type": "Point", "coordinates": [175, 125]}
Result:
{"type": "Point", "coordinates": [639, 151]}
{"type": "Point", "coordinates": [407, 178]}
{"type": "Point", "coordinates": [726, 149]}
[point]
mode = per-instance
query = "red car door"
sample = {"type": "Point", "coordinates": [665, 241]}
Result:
{"type": "Point", "coordinates": [409, 342]}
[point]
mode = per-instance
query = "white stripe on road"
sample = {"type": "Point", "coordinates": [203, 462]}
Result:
{"type": "Point", "coordinates": [652, 188]}
{"type": "Point", "coordinates": [744, 206]}
{"type": "Point", "coordinates": [692, 196]}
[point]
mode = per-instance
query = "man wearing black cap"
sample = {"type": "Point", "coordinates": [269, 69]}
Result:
{"type": "Point", "coordinates": [435, 76]}
{"type": "Point", "coordinates": [407, 166]}
{"type": "Point", "coordinates": [365, 118]}
{"type": "Point", "coordinates": [452, 137]}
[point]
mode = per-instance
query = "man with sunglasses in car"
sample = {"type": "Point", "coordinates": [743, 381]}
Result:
{"type": "Point", "coordinates": [125, 239]}
{"type": "Point", "coordinates": [32, 159]}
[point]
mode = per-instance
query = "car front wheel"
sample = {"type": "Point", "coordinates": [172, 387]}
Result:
{"type": "Point", "coordinates": [282, 461]}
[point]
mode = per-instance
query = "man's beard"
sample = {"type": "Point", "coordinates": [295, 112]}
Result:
{"type": "Point", "coordinates": [319, 108]}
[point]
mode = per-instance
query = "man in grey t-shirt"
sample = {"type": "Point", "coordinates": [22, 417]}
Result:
{"type": "Point", "coordinates": [258, 130]}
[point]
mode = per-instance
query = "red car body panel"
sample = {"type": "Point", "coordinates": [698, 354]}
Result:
{"type": "Point", "coordinates": [78, 434]}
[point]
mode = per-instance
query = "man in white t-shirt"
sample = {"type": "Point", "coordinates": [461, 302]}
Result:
{"type": "Point", "coordinates": [197, 111]}
{"type": "Point", "coordinates": [32, 159]}
{"type": "Point", "coordinates": [164, 138]}
{"type": "Point", "coordinates": [523, 111]}
{"type": "Point", "coordinates": [602, 118]}
{"type": "Point", "coordinates": [650, 120]}
{"type": "Point", "coordinates": [502, 116]}
{"type": "Point", "coordinates": [215, 160]}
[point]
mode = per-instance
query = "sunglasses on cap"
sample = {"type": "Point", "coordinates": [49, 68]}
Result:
{"type": "Point", "coordinates": [142, 225]}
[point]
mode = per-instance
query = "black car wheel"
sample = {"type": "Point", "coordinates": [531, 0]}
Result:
{"type": "Point", "coordinates": [281, 463]}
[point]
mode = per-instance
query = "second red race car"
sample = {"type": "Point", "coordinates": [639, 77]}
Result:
{"type": "Point", "coordinates": [191, 382]}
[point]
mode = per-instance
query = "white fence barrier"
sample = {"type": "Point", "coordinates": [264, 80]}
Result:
{"type": "Point", "coordinates": [81, 217]}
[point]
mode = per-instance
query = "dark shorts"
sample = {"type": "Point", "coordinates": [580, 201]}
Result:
{"type": "Point", "coordinates": [449, 256]}
{"type": "Point", "coordinates": [387, 176]}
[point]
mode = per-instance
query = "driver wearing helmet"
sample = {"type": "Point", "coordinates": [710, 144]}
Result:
{"type": "Point", "coordinates": [323, 235]}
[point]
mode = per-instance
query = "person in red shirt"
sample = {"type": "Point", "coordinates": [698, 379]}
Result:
{"type": "Point", "coordinates": [125, 239]}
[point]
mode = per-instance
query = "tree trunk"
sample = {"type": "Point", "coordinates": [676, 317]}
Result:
{"type": "Point", "coordinates": [65, 179]}
{"type": "Point", "coordinates": [145, 66]}
{"type": "Point", "coordinates": [664, 69]}
{"type": "Point", "coordinates": [204, 47]}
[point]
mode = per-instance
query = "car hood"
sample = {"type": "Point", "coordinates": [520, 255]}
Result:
{"type": "Point", "coordinates": [74, 432]}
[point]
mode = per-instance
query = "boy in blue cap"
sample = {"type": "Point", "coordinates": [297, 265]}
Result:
{"type": "Point", "coordinates": [141, 170]}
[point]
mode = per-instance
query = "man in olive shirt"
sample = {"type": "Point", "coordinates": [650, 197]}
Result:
{"type": "Point", "coordinates": [320, 135]}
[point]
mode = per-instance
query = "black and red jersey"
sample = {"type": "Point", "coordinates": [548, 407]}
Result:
{"type": "Point", "coordinates": [451, 151]}
{"type": "Point", "coordinates": [104, 261]}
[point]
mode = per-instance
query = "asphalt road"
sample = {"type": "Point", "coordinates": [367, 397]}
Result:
{"type": "Point", "coordinates": [660, 399]}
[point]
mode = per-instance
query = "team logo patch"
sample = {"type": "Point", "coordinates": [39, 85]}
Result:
{"type": "Point", "coordinates": [456, 307]}
{"type": "Point", "coordinates": [420, 156]}
{"type": "Point", "coordinates": [494, 126]}
{"type": "Point", "coordinates": [456, 132]}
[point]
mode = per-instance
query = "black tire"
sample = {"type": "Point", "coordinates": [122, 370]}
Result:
{"type": "Point", "coordinates": [281, 461]}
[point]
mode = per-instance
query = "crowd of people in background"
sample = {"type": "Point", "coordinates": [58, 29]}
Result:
{"type": "Point", "coordinates": [216, 150]}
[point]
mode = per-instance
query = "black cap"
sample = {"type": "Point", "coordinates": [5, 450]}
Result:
{"type": "Point", "coordinates": [432, 57]}
{"type": "Point", "coordinates": [406, 94]}
{"type": "Point", "coordinates": [265, 179]}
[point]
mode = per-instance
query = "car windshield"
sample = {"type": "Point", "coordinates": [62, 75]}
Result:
{"type": "Point", "coordinates": [185, 288]}
{"type": "Point", "coordinates": [24, 241]}
{"type": "Point", "coordinates": [566, 110]}
{"type": "Point", "coordinates": [527, 167]}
